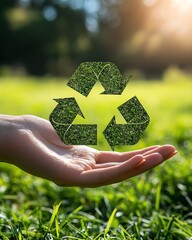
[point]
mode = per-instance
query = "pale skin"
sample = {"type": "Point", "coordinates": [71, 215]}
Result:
{"type": "Point", "coordinates": [32, 144]}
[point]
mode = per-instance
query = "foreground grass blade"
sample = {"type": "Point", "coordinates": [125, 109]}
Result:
{"type": "Point", "coordinates": [110, 221]}
{"type": "Point", "coordinates": [158, 196]}
{"type": "Point", "coordinates": [55, 211]}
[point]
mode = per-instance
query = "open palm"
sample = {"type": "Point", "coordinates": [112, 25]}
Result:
{"type": "Point", "coordinates": [41, 153]}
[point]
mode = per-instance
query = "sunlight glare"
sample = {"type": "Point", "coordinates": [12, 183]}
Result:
{"type": "Point", "coordinates": [173, 18]}
{"type": "Point", "coordinates": [183, 5]}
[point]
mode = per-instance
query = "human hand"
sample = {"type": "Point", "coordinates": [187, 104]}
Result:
{"type": "Point", "coordinates": [35, 147]}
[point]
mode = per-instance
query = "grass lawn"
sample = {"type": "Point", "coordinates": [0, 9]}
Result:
{"type": "Point", "coordinates": [154, 205]}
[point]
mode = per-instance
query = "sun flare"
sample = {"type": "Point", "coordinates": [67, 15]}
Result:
{"type": "Point", "coordinates": [172, 17]}
{"type": "Point", "coordinates": [165, 31]}
{"type": "Point", "coordinates": [183, 5]}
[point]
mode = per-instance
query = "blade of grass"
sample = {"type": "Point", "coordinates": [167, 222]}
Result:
{"type": "Point", "coordinates": [55, 211]}
{"type": "Point", "coordinates": [170, 224]}
{"type": "Point", "coordinates": [183, 227]}
{"type": "Point", "coordinates": [78, 231]}
{"type": "Point", "coordinates": [124, 233]}
{"type": "Point", "coordinates": [110, 221]}
{"type": "Point", "coordinates": [158, 196]}
{"type": "Point", "coordinates": [74, 212]}
{"type": "Point", "coordinates": [57, 227]}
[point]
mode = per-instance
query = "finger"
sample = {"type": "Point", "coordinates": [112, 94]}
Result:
{"type": "Point", "coordinates": [166, 151]}
{"type": "Point", "coordinates": [105, 157]}
{"type": "Point", "coordinates": [152, 160]}
{"type": "Point", "coordinates": [106, 165]}
{"type": "Point", "coordinates": [101, 176]}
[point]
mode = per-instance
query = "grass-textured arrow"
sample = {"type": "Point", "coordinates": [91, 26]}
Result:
{"type": "Point", "coordinates": [61, 119]}
{"type": "Point", "coordinates": [127, 134]}
{"type": "Point", "coordinates": [88, 73]}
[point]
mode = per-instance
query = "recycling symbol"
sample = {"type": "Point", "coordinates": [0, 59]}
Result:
{"type": "Point", "coordinates": [82, 81]}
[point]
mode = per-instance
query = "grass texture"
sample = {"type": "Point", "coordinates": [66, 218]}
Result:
{"type": "Point", "coordinates": [155, 205]}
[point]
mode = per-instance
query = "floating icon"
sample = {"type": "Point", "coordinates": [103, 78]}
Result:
{"type": "Point", "coordinates": [82, 81]}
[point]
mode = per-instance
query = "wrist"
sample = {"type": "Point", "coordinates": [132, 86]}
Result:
{"type": "Point", "coordinates": [9, 128]}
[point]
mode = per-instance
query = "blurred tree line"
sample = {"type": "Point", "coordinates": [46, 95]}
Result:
{"type": "Point", "coordinates": [55, 36]}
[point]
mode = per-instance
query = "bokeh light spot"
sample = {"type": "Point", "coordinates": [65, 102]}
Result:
{"type": "Point", "coordinates": [92, 24]}
{"type": "Point", "coordinates": [91, 6]}
{"type": "Point", "coordinates": [49, 13]}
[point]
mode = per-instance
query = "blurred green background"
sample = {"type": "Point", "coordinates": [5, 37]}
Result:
{"type": "Point", "coordinates": [53, 37]}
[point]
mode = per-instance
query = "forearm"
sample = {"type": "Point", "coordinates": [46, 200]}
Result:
{"type": "Point", "coordinates": [9, 127]}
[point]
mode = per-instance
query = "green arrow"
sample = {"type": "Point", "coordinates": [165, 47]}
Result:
{"type": "Point", "coordinates": [133, 111]}
{"type": "Point", "coordinates": [88, 73]}
{"type": "Point", "coordinates": [61, 119]}
{"type": "Point", "coordinates": [65, 111]}
{"type": "Point", "coordinates": [127, 134]}
{"type": "Point", "coordinates": [80, 134]}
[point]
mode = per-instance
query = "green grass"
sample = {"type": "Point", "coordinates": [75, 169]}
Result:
{"type": "Point", "coordinates": [154, 205]}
